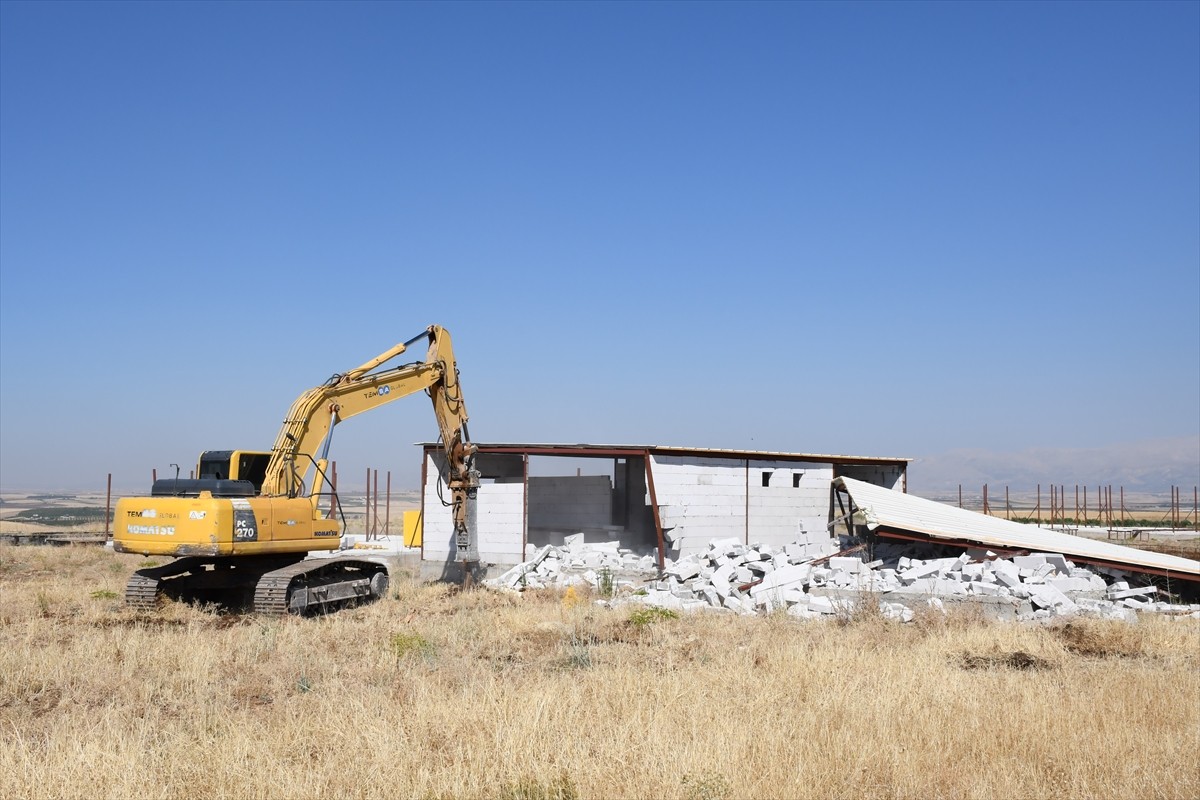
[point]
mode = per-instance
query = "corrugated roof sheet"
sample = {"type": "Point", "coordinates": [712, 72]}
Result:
{"type": "Point", "coordinates": [765, 455]}
{"type": "Point", "coordinates": [903, 512]}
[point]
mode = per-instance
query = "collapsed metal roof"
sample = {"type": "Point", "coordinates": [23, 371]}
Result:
{"type": "Point", "coordinates": [892, 513]}
{"type": "Point", "coordinates": [658, 449]}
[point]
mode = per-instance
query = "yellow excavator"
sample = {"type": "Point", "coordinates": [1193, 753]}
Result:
{"type": "Point", "coordinates": [242, 529]}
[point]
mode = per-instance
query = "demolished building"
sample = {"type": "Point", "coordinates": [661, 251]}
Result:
{"type": "Point", "coordinates": [651, 499]}
{"type": "Point", "coordinates": [903, 517]}
{"type": "Point", "coordinates": [748, 530]}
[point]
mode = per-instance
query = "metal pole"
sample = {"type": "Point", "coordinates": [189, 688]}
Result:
{"type": "Point", "coordinates": [108, 506]}
{"type": "Point", "coordinates": [985, 500]}
{"type": "Point", "coordinates": [334, 504]}
{"type": "Point", "coordinates": [367, 511]}
{"type": "Point", "coordinates": [960, 495]}
{"type": "Point", "coordinates": [375, 497]}
{"type": "Point", "coordinates": [524, 505]}
{"type": "Point", "coordinates": [1122, 505]}
{"type": "Point", "coordinates": [387, 506]}
{"type": "Point", "coordinates": [1039, 505]}
{"type": "Point", "coordinates": [654, 508]}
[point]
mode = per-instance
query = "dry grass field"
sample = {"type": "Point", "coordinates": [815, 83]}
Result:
{"type": "Point", "coordinates": [435, 693]}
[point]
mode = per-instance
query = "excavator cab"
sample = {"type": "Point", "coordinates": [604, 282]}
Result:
{"type": "Point", "coordinates": [243, 465]}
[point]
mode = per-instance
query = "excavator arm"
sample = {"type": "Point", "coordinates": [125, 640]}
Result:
{"type": "Point", "coordinates": [304, 439]}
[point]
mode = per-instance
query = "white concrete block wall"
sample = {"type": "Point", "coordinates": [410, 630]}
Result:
{"type": "Point", "coordinates": [700, 499]}
{"type": "Point", "coordinates": [797, 496]}
{"type": "Point", "coordinates": [437, 524]}
{"type": "Point", "coordinates": [500, 513]}
{"type": "Point", "coordinates": [705, 498]}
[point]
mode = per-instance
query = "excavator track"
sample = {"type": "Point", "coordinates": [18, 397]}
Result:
{"type": "Point", "coordinates": [141, 593]}
{"type": "Point", "coordinates": [277, 585]}
{"type": "Point", "coordinates": [316, 583]}
{"type": "Point", "coordinates": [143, 590]}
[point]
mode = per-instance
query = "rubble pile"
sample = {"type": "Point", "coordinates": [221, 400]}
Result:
{"type": "Point", "coordinates": [576, 562]}
{"type": "Point", "coordinates": [816, 579]}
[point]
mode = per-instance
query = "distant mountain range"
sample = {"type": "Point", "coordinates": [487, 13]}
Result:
{"type": "Point", "coordinates": [1151, 467]}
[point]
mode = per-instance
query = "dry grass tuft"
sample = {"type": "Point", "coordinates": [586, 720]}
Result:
{"type": "Point", "coordinates": [435, 693]}
{"type": "Point", "coordinates": [1102, 639]}
{"type": "Point", "coordinates": [1019, 660]}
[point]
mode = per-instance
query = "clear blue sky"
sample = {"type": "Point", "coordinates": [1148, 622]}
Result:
{"type": "Point", "coordinates": [878, 229]}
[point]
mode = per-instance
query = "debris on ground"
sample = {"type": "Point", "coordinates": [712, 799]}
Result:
{"type": "Point", "coordinates": [809, 582]}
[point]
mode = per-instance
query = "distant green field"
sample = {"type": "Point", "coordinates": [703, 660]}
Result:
{"type": "Point", "coordinates": [60, 516]}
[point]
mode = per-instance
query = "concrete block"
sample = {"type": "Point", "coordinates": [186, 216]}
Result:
{"type": "Point", "coordinates": [662, 600]}
{"type": "Point", "coordinates": [725, 546]}
{"type": "Point", "coordinates": [787, 577]}
{"type": "Point", "coordinates": [822, 605]}
{"type": "Point", "coordinates": [946, 586]}
{"type": "Point", "coordinates": [1065, 585]}
{"type": "Point", "coordinates": [973, 571]}
{"type": "Point", "coordinates": [685, 568]}
{"type": "Point", "coordinates": [845, 564]}
{"type": "Point", "coordinates": [1060, 562]}
{"type": "Point", "coordinates": [1030, 562]}
{"type": "Point", "coordinates": [923, 571]}
{"type": "Point", "coordinates": [740, 605]}
{"type": "Point", "coordinates": [1045, 571]}
{"type": "Point", "coordinates": [795, 550]}
{"type": "Point", "coordinates": [896, 611]}
{"type": "Point", "coordinates": [1006, 572]}
{"type": "Point", "coordinates": [794, 596]}
{"type": "Point", "coordinates": [1046, 596]}
{"type": "Point", "coordinates": [1121, 594]}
